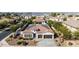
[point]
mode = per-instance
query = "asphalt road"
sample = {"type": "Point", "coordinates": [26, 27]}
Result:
{"type": "Point", "coordinates": [4, 34]}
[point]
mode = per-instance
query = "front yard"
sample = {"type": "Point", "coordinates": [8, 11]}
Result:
{"type": "Point", "coordinates": [19, 41]}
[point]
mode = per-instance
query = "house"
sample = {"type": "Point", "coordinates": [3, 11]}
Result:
{"type": "Point", "coordinates": [71, 18]}
{"type": "Point", "coordinates": [39, 20]}
{"type": "Point", "coordinates": [38, 31]}
{"type": "Point", "coordinates": [57, 18]}
{"type": "Point", "coordinates": [74, 17]}
{"type": "Point", "coordinates": [26, 15]}
{"type": "Point", "coordinates": [72, 25]}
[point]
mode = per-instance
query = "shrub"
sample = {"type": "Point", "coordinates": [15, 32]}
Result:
{"type": "Point", "coordinates": [20, 37]}
{"type": "Point", "coordinates": [54, 14]}
{"type": "Point", "coordinates": [70, 43]}
{"type": "Point", "coordinates": [22, 42]}
{"type": "Point", "coordinates": [19, 42]}
{"type": "Point", "coordinates": [3, 24]}
{"type": "Point", "coordinates": [24, 21]}
{"type": "Point", "coordinates": [61, 28]}
{"type": "Point", "coordinates": [14, 27]}
{"type": "Point", "coordinates": [33, 17]}
{"type": "Point", "coordinates": [25, 43]}
{"type": "Point", "coordinates": [76, 34]}
{"type": "Point", "coordinates": [9, 39]}
{"type": "Point", "coordinates": [65, 19]}
{"type": "Point", "coordinates": [70, 15]}
{"type": "Point", "coordinates": [11, 36]}
{"type": "Point", "coordinates": [50, 22]}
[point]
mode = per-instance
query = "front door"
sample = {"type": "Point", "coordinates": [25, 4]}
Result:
{"type": "Point", "coordinates": [34, 35]}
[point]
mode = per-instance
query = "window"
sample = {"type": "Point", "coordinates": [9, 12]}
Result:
{"type": "Point", "coordinates": [47, 36]}
{"type": "Point", "coordinates": [39, 36]}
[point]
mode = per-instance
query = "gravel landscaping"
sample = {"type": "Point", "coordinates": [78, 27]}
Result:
{"type": "Point", "coordinates": [20, 42]}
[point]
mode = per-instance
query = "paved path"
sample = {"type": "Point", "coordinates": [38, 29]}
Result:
{"type": "Point", "coordinates": [4, 44]}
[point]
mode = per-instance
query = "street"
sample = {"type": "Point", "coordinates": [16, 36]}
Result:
{"type": "Point", "coordinates": [4, 34]}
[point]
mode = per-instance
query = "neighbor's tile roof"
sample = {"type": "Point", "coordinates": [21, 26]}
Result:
{"type": "Point", "coordinates": [39, 19]}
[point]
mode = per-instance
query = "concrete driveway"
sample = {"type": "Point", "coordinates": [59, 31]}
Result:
{"type": "Point", "coordinates": [46, 43]}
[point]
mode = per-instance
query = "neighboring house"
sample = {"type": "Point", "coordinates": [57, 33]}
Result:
{"type": "Point", "coordinates": [73, 25]}
{"type": "Point", "coordinates": [27, 17]}
{"type": "Point", "coordinates": [39, 20]}
{"type": "Point", "coordinates": [77, 18]}
{"type": "Point", "coordinates": [57, 18]}
{"type": "Point", "coordinates": [38, 31]}
{"type": "Point", "coordinates": [73, 18]}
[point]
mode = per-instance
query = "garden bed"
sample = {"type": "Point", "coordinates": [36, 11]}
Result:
{"type": "Point", "coordinates": [20, 42]}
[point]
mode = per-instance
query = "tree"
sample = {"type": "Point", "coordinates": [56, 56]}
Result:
{"type": "Point", "coordinates": [24, 21]}
{"type": "Point", "coordinates": [58, 13]}
{"type": "Point", "coordinates": [29, 21]}
{"type": "Point", "coordinates": [77, 15]}
{"type": "Point", "coordinates": [14, 27]}
{"type": "Point", "coordinates": [61, 28]}
{"type": "Point", "coordinates": [8, 15]}
{"type": "Point", "coordinates": [76, 34]}
{"type": "Point", "coordinates": [67, 34]}
{"type": "Point", "coordinates": [54, 14]}
{"type": "Point", "coordinates": [33, 17]}
{"type": "Point", "coordinates": [50, 22]}
{"type": "Point", "coordinates": [20, 24]}
{"type": "Point", "coordinates": [70, 15]}
{"type": "Point", "coordinates": [3, 24]}
{"type": "Point", "coordinates": [65, 19]}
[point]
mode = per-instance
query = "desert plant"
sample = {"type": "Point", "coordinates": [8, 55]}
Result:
{"type": "Point", "coordinates": [22, 42]}
{"type": "Point", "coordinates": [19, 42]}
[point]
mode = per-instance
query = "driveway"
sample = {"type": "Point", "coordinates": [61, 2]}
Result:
{"type": "Point", "coordinates": [46, 43]}
{"type": "Point", "coordinates": [4, 34]}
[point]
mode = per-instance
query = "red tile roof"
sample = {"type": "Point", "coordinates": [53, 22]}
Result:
{"type": "Point", "coordinates": [38, 28]}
